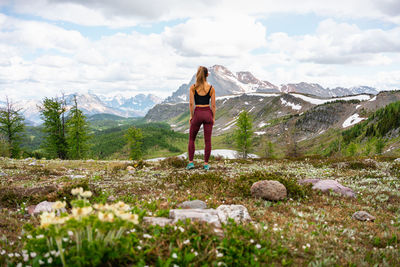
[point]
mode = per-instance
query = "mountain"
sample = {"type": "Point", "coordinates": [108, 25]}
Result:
{"type": "Point", "coordinates": [91, 104]}
{"type": "Point", "coordinates": [229, 83]}
{"type": "Point", "coordinates": [226, 82]}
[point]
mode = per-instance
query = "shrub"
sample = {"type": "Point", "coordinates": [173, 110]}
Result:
{"type": "Point", "coordinates": [175, 162]}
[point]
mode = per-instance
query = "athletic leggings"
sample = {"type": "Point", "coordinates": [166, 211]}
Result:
{"type": "Point", "coordinates": [202, 115]}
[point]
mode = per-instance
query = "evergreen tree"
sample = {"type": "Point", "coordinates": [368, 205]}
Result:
{"type": "Point", "coordinates": [244, 134]}
{"type": "Point", "coordinates": [52, 111]}
{"type": "Point", "coordinates": [77, 133]}
{"type": "Point", "coordinates": [11, 127]}
{"type": "Point", "coordinates": [379, 145]}
{"type": "Point", "coordinates": [135, 141]}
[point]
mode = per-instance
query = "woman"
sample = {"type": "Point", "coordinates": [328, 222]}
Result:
{"type": "Point", "coordinates": [200, 94]}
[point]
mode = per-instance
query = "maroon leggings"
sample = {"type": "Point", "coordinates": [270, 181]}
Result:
{"type": "Point", "coordinates": [202, 115]}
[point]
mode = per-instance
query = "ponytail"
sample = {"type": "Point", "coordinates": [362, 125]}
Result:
{"type": "Point", "coordinates": [201, 77]}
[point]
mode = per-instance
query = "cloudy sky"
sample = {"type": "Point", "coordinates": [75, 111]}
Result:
{"type": "Point", "coordinates": [153, 46]}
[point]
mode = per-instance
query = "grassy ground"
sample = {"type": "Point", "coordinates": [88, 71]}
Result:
{"type": "Point", "coordinates": [308, 228]}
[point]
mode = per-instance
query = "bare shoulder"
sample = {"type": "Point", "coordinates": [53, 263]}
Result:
{"type": "Point", "coordinates": [212, 90]}
{"type": "Point", "coordinates": [191, 88]}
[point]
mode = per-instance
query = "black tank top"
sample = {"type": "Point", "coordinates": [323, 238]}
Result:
{"type": "Point", "coordinates": [202, 99]}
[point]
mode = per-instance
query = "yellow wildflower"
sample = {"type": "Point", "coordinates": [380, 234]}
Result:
{"type": "Point", "coordinates": [133, 218]}
{"type": "Point", "coordinates": [80, 212]}
{"type": "Point", "coordinates": [121, 206]}
{"type": "Point", "coordinates": [46, 219]}
{"type": "Point", "coordinates": [86, 194]}
{"type": "Point", "coordinates": [59, 205]}
{"type": "Point", "coordinates": [105, 217]}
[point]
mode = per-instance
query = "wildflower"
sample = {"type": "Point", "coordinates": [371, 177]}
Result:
{"type": "Point", "coordinates": [50, 260]}
{"type": "Point", "coordinates": [26, 257]}
{"type": "Point", "coordinates": [181, 229]}
{"type": "Point", "coordinates": [258, 246]}
{"type": "Point", "coordinates": [33, 254]}
{"type": "Point", "coordinates": [121, 206]}
{"type": "Point", "coordinates": [10, 255]}
{"type": "Point", "coordinates": [46, 219]}
{"type": "Point", "coordinates": [65, 239]}
{"type": "Point", "coordinates": [70, 233]}
{"type": "Point", "coordinates": [41, 262]}
{"type": "Point", "coordinates": [53, 252]}
{"type": "Point", "coordinates": [86, 194]}
{"type": "Point", "coordinates": [59, 205]}
{"type": "Point", "coordinates": [196, 253]}
{"type": "Point", "coordinates": [19, 264]}
{"type": "Point", "coordinates": [39, 236]}
{"type": "Point", "coordinates": [133, 218]}
{"type": "Point", "coordinates": [147, 236]}
{"type": "Point", "coordinates": [105, 217]}
{"type": "Point", "coordinates": [174, 255]}
{"type": "Point", "coordinates": [139, 247]}
{"type": "Point", "coordinates": [3, 252]}
{"type": "Point", "coordinates": [29, 236]}
{"type": "Point", "coordinates": [187, 241]}
{"type": "Point", "coordinates": [77, 191]}
{"type": "Point", "coordinates": [80, 212]}
{"type": "Point", "coordinates": [265, 227]}
{"type": "Point", "coordinates": [47, 255]}
{"type": "Point", "coordinates": [219, 255]}
{"type": "Point", "coordinates": [251, 241]}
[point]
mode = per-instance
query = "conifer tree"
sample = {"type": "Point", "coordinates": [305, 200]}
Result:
{"type": "Point", "coordinates": [135, 141]}
{"type": "Point", "coordinates": [244, 134]}
{"type": "Point", "coordinates": [11, 127]}
{"type": "Point", "coordinates": [52, 111]}
{"type": "Point", "coordinates": [77, 133]}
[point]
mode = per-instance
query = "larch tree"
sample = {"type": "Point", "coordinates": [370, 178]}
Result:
{"type": "Point", "coordinates": [244, 134]}
{"type": "Point", "coordinates": [11, 127]}
{"type": "Point", "coordinates": [77, 133]}
{"type": "Point", "coordinates": [135, 141]}
{"type": "Point", "coordinates": [52, 111]}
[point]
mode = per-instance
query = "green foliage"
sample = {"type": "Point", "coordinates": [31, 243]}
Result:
{"type": "Point", "coordinates": [351, 149]}
{"type": "Point", "coordinates": [268, 148]}
{"type": "Point", "coordinates": [11, 127]}
{"type": "Point", "coordinates": [379, 145]}
{"type": "Point", "coordinates": [244, 134]}
{"type": "Point", "coordinates": [52, 112]}
{"type": "Point", "coordinates": [135, 141]}
{"type": "Point", "coordinates": [175, 162]}
{"type": "Point", "coordinates": [77, 133]}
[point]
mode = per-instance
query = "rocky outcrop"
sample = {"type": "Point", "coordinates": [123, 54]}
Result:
{"type": "Point", "coordinates": [363, 216]}
{"type": "Point", "coordinates": [329, 185]}
{"type": "Point", "coordinates": [193, 204]}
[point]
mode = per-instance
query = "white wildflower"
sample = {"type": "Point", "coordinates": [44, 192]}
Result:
{"type": "Point", "coordinates": [50, 260]}
{"type": "Point", "coordinates": [77, 191]}
{"type": "Point", "coordinates": [41, 262]}
{"type": "Point", "coordinates": [39, 236]}
{"type": "Point", "coordinates": [187, 241]}
{"type": "Point", "coordinates": [147, 236]}
{"type": "Point", "coordinates": [258, 246]}
{"type": "Point", "coordinates": [3, 252]}
{"type": "Point", "coordinates": [174, 255]}
{"type": "Point", "coordinates": [10, 255]}
{"type": "Point", "coordinates": [47, 255]}
{"type": "Point", "coordinates": [252, 241]}
{"type": "Point", "coordinates": [33, 254]}
{"type": "Point", "coordinates": [29, 236]}
{"type": "Point", "coordinates": [26, 257]}
{"type": "Point", "coordinates": [19, 264]}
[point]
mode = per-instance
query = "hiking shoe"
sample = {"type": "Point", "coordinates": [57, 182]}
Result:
{"type": "Point", "coordinates": [206, 167]}
{"type": "Point", "coordinates": [190, 166]}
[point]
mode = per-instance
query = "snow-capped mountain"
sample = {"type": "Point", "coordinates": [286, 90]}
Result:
{"type": "Point", "coordinates": [91, 104]}
{"type": "Point", "coordinates": [229, 83]}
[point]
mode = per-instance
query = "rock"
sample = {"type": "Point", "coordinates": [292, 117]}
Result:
{"type": "Point", "coordinates": [31, 208]}
{"type": "Point", "coordinates": [269, 190]}
{"type": "Point", "coordinates": [194, 204]}
{"type": "Point", "coordinates": [363, 216]}
{"type": "Point", "coordinates": [2, 174]}
{"type": "Point", "coordinates": [77, 176]}
{"type": "Point", "coordinates": [308, 181]}
{"type": "Point", "coordinates": [238, 213]}
{"type": "Point", "coordinates": [161, 221]}
{"type": "Point", "coordinates": [129, 168]}
{"type": "Point", "coordinates": [327, 185]}
{"type": "Point", "coordinates": [397, 160]}
{"type": "Point", "coordinates": [45, 206]}
{"type": "Point", "coordinates": [202, 215]}
{"type": "Point", "coordinates": [33, 163]}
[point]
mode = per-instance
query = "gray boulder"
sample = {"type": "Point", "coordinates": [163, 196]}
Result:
{"type": "Point", "coordinates": [363, 216]}
{"type": "Point", "coordinates": [193, 204]}
{"type": "Point", "coordinates": [328, 185]}
{"type": "Point", "coordinates": [201, 215]}
{"type": "Point", "coordinates": [397, 160]}
{"type": "Point", "coordinates": [2, 174]}
{"type": "Point", "coordinates": [308, 181]}
{"type": "Point", "coordinates": [238, 213]}
{"type": "Point", "coordinates": [161, 221]}
{"type": "Point", "coordinates": [44, 206]}
{"type": "Point", "coordinates": [269, 190]}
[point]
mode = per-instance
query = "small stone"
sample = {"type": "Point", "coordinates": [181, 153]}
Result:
{"type": "Point", "coordinates": [129, 168]}
{"type": "Point", "coordinates": [327, 185]}
{"type": "Point", "coordinates": [269, 190]}
{"type": "Point", "coordinates": [397, 160]}
{"type": "Point", "coordinates": [33, 163]}
{"type": "Point", "coordinates": [161, 221]}
{"type": "Point", "coordinates": [31, 209]}
{"type": "Point", "coordinates": [45, 206]}
{"type": "Point", "coordinates": [238, 213]}
{"type": "Point", "coordinates": [202, 215]}
{"type": "Point", "coordinates": [193, 204]}
{"type": "Point", "coordinates": [363, 216]}
{"type": "Point", "coordinates": [3, 174]}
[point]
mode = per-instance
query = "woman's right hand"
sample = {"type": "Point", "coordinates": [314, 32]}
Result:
{"type": "Point", "coordinates": [190, 120]}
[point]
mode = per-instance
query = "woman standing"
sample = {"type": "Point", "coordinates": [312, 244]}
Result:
{"type": "Point", "coordinates": [200, 94]}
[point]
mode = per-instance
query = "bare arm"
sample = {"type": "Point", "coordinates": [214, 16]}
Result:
{"type": "Point", "coordinates": [191, 102]}
{"type": "Point", "coordinates": [213, 105]}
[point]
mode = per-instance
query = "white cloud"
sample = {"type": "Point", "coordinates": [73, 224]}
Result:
{"type": "Point", "coordinates": [221, 37]}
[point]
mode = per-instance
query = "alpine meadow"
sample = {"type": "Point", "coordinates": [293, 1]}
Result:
{"type": "Point", "coordinates": [101, 101]}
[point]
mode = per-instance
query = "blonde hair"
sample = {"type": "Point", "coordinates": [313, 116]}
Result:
{"type": "Point", "coordinates": [201, 77]}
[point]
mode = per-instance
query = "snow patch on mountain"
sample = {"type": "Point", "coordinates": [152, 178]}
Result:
{"type": "Point", "coordinates": [319, 101]}
{"type": "Point", "coordinates": [352, 120]}
{"type": "Point", "coordinates": [289, 104]}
